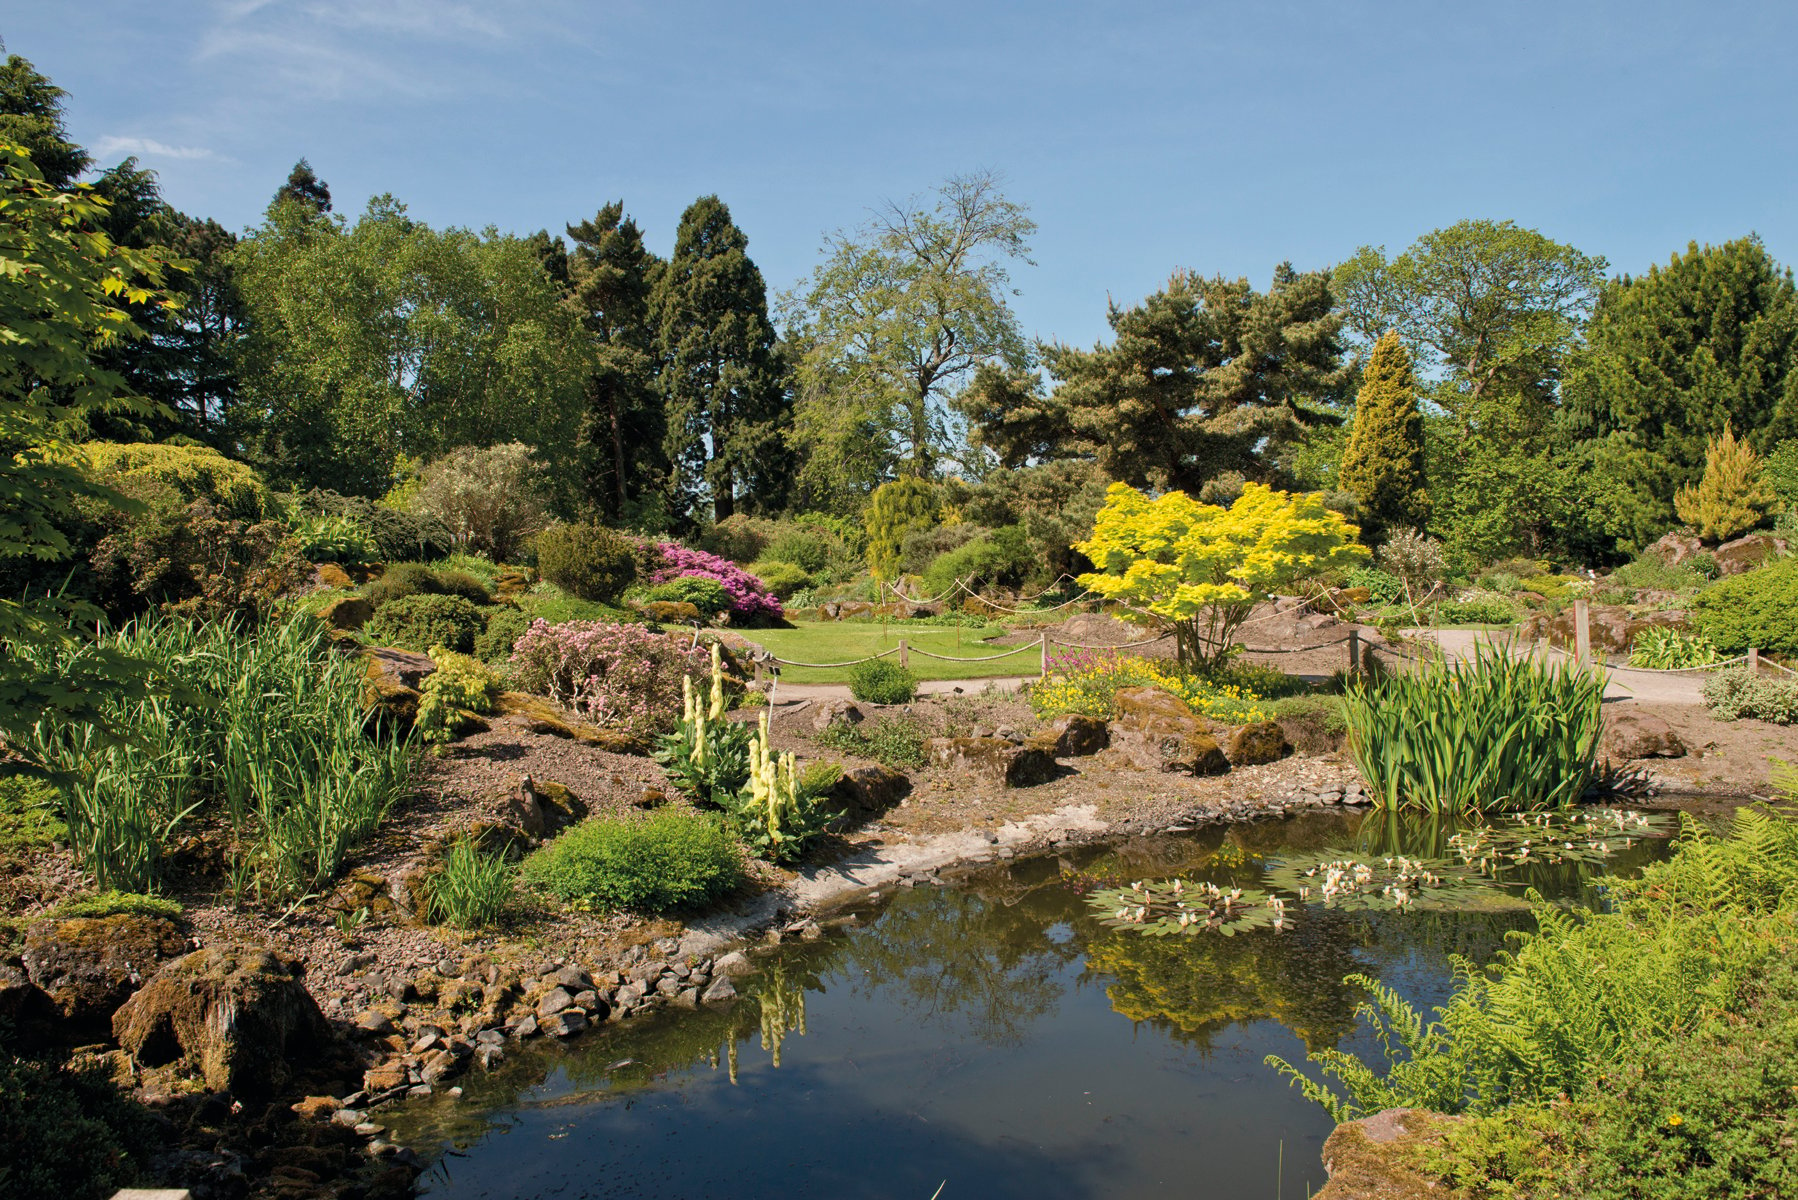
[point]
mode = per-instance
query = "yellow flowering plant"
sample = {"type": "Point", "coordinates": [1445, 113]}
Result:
{"type": "Point", "coordinates": [1199, 568]}
{"type": "Point", "coordinates": [1087, 682]}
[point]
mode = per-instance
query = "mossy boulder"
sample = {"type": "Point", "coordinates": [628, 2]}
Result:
{"type": "Point", "coordinates": [88, 966]}
{"type": "Point", "coordinates": [1376, 1157]}
{"type": "Point", "coordinates": [330, 575]}
{"type": "Point", "coordinates": [541, 716]}
{"type": "Point", "coordinates": [349, 612]}
{"type": "Point", "coordinates": [237, 1015]}
{"type": "Point", "coordinates": [869, 791]}
{"type": "Point", "coordinates": [1001, 760]}
{"type": "Point", "coordinates": [671, 612]}
{"type": "Point", "coordinates": [1157, 730]}
{"type": "Point", "coordinates": [391, 681]}
{"type": "Point", "coordinates": [1260, 742]}
{"type": "Point", "coordinates": [542, 808]}
{"type": "Point", "coordinates": [1071, 735]}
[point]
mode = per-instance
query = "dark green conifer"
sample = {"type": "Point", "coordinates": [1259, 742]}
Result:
{"type": "Point", "coordinates": [721, 377]}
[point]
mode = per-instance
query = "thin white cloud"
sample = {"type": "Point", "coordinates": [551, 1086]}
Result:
{"type": "Point", "coordinates": [139, 147]}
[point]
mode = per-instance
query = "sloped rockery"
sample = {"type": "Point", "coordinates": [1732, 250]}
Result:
{"type": "Point", "coordinates": [995, 1036]}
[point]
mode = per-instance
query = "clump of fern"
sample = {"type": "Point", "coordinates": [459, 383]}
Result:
{"type": "Point", "coordinates": [1586, 990]}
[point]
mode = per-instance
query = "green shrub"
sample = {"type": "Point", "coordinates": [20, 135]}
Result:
{"type": "Point", "coordinates": [1476, 610]}
{"type": "Point", "coordinates": [882, 682]}
{"type": "Point", "coordinates": [192, 472]}
{"type": "Point", "coordinates": [491, 497]}
{"type": "Point", "coordinates": [1502, 582]}
{"type": "Point", "coordinates": [472, 889]}
{"type": "Point", "coordinates": [196, 562]}
{"type": "Point", "coordinates": [1383, 587]}
{"type": "Point", "coordinates": [504, 627]}
{"type": "Point", "coordinates": [1666, 649]}
{"type": "Point", "coordinates": [1003, 557]}
{"type": "Point", "coordinates": [459, 684]}
{"type": "Point", "coordinates": [68, 1133]}
{"type": "Point", "coordinates": [1651, 572]}
{"type": "Point", "coordinates": [1736, 694]}
{"type": "Point", "coordinates": [1490, 732]}
{"type": "Point", "coordinates": [112, 904]}
{"type": "Point", "coordinates": [668, 860]}
{"type": "Point", "coordinates": [707, 595]}
{"type": "Point", "coordinates": [1704, 565]}
{"type": "Point", "coordinates": [896, 742]}
{"type": "Point", "coordinates": [587, 561]}
{"type": "Point", "coordinates": [782, 578]}
{"type": "Point", "coordinates": [416, 579]}
{"type": "Point", "coordinates": [1756, 609]}
{"type": "Point", "coordinates": [739, 537]}
{"type": "Point", "coordinates": [810, 550]}
{"type": "Point", "coordinates": [461, 583]}
{"type": "Point", "coordinates": [419, 622]}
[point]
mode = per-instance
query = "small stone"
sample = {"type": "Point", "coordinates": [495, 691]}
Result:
{"type": "Point", "coordinates": [449, 968]}
{"type": "Point", "coordinates": [489, 1057]}
{"type": "Point", "coordinates": [489, 1037]}
{"type": "Point", "coordinates": [384, 1078]}
{"type": "Point", "coordinates": [721, 991]}
{"type": "Point", "coordinates": [429, 1040]}
{"type": "Point", "coordinates": [369, 1129]}
{"type": "Point", "coordinates": [630, 994]}
{"type": "Point", "coordinates": [688, 998]}
{"type": "Point", "coordinates": [347, 1116]}
{"type": "Point", "coordinates": [573, 979]}
{"type": "Point", "coordinates": [681, 970]}
{"type": "Point", "coordinates": [553, 1003]}
{"type": "Point", "coordinates": [566, 1023]}
{"type": "Point", "coordinates": [526, 1028]}
{"type": "Point", "coordinates": [588, 1000]}
{"type": "Point", "coordinates": [667, 985]}
{"type": "Point", "coordinates": [733, 964]}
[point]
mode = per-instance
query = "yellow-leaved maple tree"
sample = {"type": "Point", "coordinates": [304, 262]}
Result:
{"type": "Point", "coordinates": [1200, 568]}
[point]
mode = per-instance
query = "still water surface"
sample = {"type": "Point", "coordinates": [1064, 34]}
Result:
{"type": "Point", "coordinates": [993, 1039]}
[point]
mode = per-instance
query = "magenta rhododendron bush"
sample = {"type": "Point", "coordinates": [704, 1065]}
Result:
{"type": "Point", "coordinates": [749, 596]}
{"type": "Point", "coordinates": [624, 676]}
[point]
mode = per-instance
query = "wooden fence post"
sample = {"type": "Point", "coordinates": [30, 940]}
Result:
{"type": "Point", "coordinates": [1044, 643]}
{"type": "Point", "coordinates": [1582, 632]}
{"type": "Point", "coordinates": [1754, 661]}
{"type": "Point", "coordinates": [1354, 644]}
{"type": "Point", "coordinates": [904, 657]}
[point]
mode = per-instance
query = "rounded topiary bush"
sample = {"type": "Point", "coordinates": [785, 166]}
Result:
{"type": "Point", "coordinates": [882, 682]}
{"type": "Point", "coordinates": [587, 561]}
{"type": "Point", "coordinates": [673, 859]}
{"type": "Point", "coordinates": [1758, 609]}
{"type": "Point", "coordinates": [781, 577]}
{"type": "Point", "coordinates": [419, 622]}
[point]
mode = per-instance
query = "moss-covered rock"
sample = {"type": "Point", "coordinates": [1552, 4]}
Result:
{"type": "Point", "coordinates": [236, 1015]}
{"type": "Point", "coordinates": [88, 966]}
{"type": "Point", "coordinates": [1261, 742]}
{"type": "Point", "coordinates": [1375, 1158]}
{"type": "Point", "coordinates": [1157, 730]}
{"type": "Point", "coordinates": [1071, 735]}
{"type": "Point", "coordinates": [998, 759]}
{"type": "Point", "coordinates": [540, 716]}
{"type": "Point", "coordinates": [349, 612]}
{"type": "Point", "coordinates": [671, 612]}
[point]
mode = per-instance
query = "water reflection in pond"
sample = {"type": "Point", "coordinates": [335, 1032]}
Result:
{"type": "Point", "coordinates": [994, 1038]}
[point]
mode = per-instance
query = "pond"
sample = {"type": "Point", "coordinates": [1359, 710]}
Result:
{"type": "Point", "coordinates": [993, 1038]}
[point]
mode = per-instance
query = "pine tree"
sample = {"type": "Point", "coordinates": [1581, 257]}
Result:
{"type": "Point", "coordinates": [1731, 499]}
{"type": "Point", "coordinates": [1383, 461]}
{"type": "Point", "coordinates": [721, 376]}
{"type": "Point", "coordinates": [898, 508]}
{"type": "Point", "coordinates": [611, 276]}
{"type": "Point", "coordinates": [306, 187]}
{"type": "Point", "coordinates": [31, 116]}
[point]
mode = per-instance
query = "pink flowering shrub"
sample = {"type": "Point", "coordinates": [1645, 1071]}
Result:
{"type": "Point", "coordinates": [749, 596]}
{"type": "Point", "coordinates": [619, 675]}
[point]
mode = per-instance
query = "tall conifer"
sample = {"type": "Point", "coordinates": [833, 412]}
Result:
{"type": "Point", "coordinates": [721, 378]}
{"type": "Point", "coordinates": [611, 276]}
{"type": "Point", "coordinates": [1383, 462]}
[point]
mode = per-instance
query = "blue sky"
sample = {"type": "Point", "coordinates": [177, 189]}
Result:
{"type": "Point", "coordinates": [1143, 136]}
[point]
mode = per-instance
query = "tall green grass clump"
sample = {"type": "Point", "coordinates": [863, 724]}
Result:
{"type": "Point", "coordinates": [265, 729]}
{"type": "Point", "coordinates": [1491, 732]}
{"type": "Point", "coordinates": [472, 889]}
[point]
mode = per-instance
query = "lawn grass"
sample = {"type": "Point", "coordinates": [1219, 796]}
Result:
{"type": "Point", "coordinates": [840, 641]}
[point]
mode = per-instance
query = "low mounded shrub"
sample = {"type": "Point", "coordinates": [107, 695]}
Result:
{"type": "Point", "coordinates": [418, 622]}
{"type": "Point", "coordinates": [68, 1133]}
{"type": "Point", "coordinates": [1476, 610]}
{"type": "Point", "coordinates": [1383, 587]}
{"type": "Point", "coordinates": [1001, 557]}
{"type": "Point", "coordinates": [882, 682]}
{"type": "Point", "coordinates": [620, 675]}
{"type": "Point", "coordinates": [1663, 648]}
{"type": "Point", "coordinates": [416, 579]}
{"type": "Point", "coordinates": [195, 562]}
{"type": "Point", "coordinates": [1653, 573]}
{"type": "Point", "coordinates": [459, 684]}
{"type": "Point", "coordinates": [587, 561]}
{"type": "Point", "coordinates": [896, 742]}
{"type": "Point", "coordinates": [670, 859]}
{"type": "Point", "coordinates": [333, 539]}
{"type": "Point", "coordinates": [193, 472]}
{"type": "Point", "coordinates": [748, 598]}
{"type": "Point", "coordinates": [504, 627]}
{"type": "Point", "coordinates": [1735, 694]}
{"type": "Point", "coordinates": [782, 578]}
{"type": "Point", "coordinates": [1756, 609]}
{"type": "Point", "coordinates": [490, 497]}
{"type": "Point", "coordinates": [705, 594]}
{"type": "Point", "coordinates": [398, 536]}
